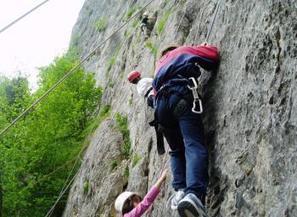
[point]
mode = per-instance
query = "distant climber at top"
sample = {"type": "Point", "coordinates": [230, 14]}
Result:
{"type": "Point", "coordinates": [178, 115]}
{"type": "Point", "coordinates": [147, 24]}
{"type": "Point", "coordinates": [143, 85]}
{"type": "Point", "coordinates": [130, 204]}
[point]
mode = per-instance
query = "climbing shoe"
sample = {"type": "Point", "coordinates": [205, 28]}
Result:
{"type": "Point", "coordinates": [191, 206]}
{"type": "Point", "coordinates": [175, 198]}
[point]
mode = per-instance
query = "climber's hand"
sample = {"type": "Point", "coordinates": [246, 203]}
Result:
{"type": "Point", "coordinates": [164, 174]}
{"type": "Point", "coordinates": [161, 179]}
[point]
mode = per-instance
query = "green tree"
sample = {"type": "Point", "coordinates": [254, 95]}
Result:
{"type": "Point", "coordinates": [38, 153]}
{"type": "Point", "coordinates": [14, 97]}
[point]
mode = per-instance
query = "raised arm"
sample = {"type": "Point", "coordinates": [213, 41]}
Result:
{"type": "Point", "coordinates": [209, 56]}
{"type": "Point", "coordinates": [149, 198]}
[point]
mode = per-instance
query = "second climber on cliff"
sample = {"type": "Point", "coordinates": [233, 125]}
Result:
{"type": "Point", "coordinates": [143, 86]}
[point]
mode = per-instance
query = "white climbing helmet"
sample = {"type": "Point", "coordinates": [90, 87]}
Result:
{"type": "Point", "coordinates": [145, 14]}
{"type": "Point", "coordinates": [121, 199]}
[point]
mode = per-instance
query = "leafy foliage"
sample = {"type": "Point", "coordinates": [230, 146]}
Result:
{"type": "Point", "coordinates": [131, 11]}
{"type": "Point", "coordinates": [136, 159]}
{"type": "Point", "coordinates": [114, 164]}
{"type": "Point", "coordinates": [101, 24]}
{"type": "Point", "coordinates": [104, 112]}
{"type": "Point", "coordinates": [153, 49]}
{"type": "Point", "coordinates": [38, 153]}
{"type": "Point", "coordinates": [112, 61]}
{"type": "Point", "coordinates": [162, 22]}
{"type": "Point", "coordinates": [14, 97]}
{"type": "Point", "coordinates": [122, 123]}
{"type": "Point", "coordinates": [126, 172]}
{"type": "Point", "coordinates": [86, 186]}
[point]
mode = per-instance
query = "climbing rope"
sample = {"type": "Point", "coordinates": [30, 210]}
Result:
{"type": "Point", "coordinates": [213, 20]}
{"type": "Point", "coordinates": [26, 111]}
{"type": "Point", "coordinates": [164, 165]}
{"type": "Point", "coordinates": [23, 16]}
{"type": "Point", "coordinates": [212, 23]}
{"type": "Point", "coordinates": [49, 213]}
{"type": "Point", "coordinates": [180, 22]}
{"type": "Point", "coordinates": [68, 180]}
{"type": "Point", "coordinates": [197, 32]}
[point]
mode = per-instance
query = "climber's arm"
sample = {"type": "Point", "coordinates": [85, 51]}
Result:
{"type": "Point", "coordinates": [208, 56]}
{"type": "Point", "coordinates": [149, 198]}
{"type": "Point", "coordinates": [143, 206]}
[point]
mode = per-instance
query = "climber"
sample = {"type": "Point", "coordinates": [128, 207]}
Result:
{"type": "Point", "coordinates": [147, 24]}
{"type": "Point", "coordinates": [129, 204]}
{"type": "Point", "coordinates": [144, 21]}
{"type": "Point", "coordinates": [179, 118]}
{"type": "Point", "coordinates": [145, 89]}
{"type": "Point", "coordinates": [143, 86]}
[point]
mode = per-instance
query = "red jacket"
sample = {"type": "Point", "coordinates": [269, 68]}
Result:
{"type": "Point", "coordinates": [182, 59]}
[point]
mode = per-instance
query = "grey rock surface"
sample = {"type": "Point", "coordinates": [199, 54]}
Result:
{"type": "Point", "coordinates": [98, 181]}
{"type": "Point", "coordinates": [250, 117]}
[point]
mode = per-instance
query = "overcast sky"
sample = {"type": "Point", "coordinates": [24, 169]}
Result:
{"type": "Point", "coordinates": [37, 39]}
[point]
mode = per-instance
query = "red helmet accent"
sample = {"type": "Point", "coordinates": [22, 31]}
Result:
{"type": "Point", "coordinates": [133, 75]}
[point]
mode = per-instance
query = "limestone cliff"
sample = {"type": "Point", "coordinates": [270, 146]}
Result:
{"type": "Point", "coordinates": [250, 116]}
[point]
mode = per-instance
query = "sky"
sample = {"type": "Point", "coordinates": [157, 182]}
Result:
{"type": "Point", "coordinates": [38, 38]}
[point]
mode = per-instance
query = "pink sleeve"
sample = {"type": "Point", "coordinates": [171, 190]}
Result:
{"type": "Point", "coordinates": [144, 204]}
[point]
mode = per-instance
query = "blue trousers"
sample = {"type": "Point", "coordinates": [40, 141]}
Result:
{"type": "Point", "coordinates": [183, 131]}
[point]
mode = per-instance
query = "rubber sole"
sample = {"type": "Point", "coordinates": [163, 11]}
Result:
{"type": "Point", "coordinates": [188, 209]}
{"type": "Point", "coordinates": [174, 207]}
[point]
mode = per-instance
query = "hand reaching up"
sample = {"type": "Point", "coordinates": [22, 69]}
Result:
{"type": "Point", "coordinates": [162, 178]}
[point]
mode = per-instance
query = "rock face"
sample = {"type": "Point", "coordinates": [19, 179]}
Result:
{"type": "Point", "coordinates": [250, 117]}
{"type": "Point", "coordinates": [99, 179]}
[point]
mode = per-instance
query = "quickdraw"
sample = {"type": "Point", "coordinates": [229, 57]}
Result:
{"type": "Point", "coordinates": [197, 102]}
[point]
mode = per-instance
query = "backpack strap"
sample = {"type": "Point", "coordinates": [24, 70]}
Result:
{"type": "Point", "coordinates": [159, 136]}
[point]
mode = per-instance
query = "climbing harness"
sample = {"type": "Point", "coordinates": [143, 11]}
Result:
{"type": "Point", "coordinates": [197, 102]}
{"type": "Point", "coordinates": [193, 86]}
{"type": "Point", "coordinates": [159, 136]}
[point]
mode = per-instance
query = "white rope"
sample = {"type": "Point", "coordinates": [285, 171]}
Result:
{"type": "Point", "coordinates": [213, 20]}
{"type": "Point", "coordinates": [23, 16]}
{"type": "Point", "coordinates": [70, 72]}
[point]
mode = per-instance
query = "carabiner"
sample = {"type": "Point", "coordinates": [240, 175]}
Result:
{"type": "Point", "coordinates": [200, 111]}
{"type": "Point", "coordinates": [196, 97]}
{"type": "Point", "coordinates": [194, 82]}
